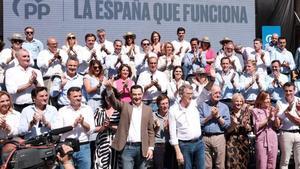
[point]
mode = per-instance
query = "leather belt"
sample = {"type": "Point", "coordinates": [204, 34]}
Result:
{"type": "Point", "coordinates": [133, 143]}
{"type": "Point", "coordinates": [291, 131]}
{"type": "Point", "coordinates": [192, 140]}
{"type": "Point", "coordinates": [211, 134]}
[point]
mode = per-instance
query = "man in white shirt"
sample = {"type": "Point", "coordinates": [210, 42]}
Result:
{"type": "Point", "coordinates": [284, 56]}
{"type": "Point", "coordinates": [20, 80]}
{"type": "Point", "coordinates": [289, 139]}
{"type": "Point", "coordinates": [135, 134]}
{"type": "Point", "coordinates": [51, 61]}
{"type": "Point", "coordinates": [181, 46]}
{"type": "Point", "coordinates": [103, 44]}
{"type": "Point", "coordinates": [81, 117]}
{"type": "Point", "coordinates": [153, 81]}
{"type": "Point", "coordinates": [261, 56]}
{"type": "Point", "coordinates": [234, 60]}
{"type": "Point", "coordinates": [185, 130]}
{"type": "Point", "coordinates": [116, 59]}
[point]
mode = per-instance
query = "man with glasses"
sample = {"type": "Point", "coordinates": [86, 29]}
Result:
{"type": "Point", "coordinates": [33, 45]}
{"type": "Point", "coordinates": [141, 59]}
{"type": "Point", "coordinates": [285, 57]}
{"type": "Point", "coordinates": [234, 60]}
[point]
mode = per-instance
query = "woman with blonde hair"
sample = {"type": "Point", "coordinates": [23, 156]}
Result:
{"type": "Point", "coordinates": [9, 118]}
{"type": "Point", "coordinates": [237, 144]}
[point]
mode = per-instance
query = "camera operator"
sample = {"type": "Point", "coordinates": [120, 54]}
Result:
{"type": "Point", "coordinates": [63, 158]}
{"type": "Point", "coordinates": [81, 117]}
{"type": "Point", "coordinates": [38, 118]}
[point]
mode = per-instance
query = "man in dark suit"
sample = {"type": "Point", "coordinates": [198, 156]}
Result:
{"type": "Point", "coordinates": [135, 133]}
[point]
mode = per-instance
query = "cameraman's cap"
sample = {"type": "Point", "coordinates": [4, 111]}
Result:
{"type": "Point", "coordinates": [129, 34]}
{"type": "Point", "coordinates": [225, 40]}
{"type": "Point", "coordinates": [16, 36]}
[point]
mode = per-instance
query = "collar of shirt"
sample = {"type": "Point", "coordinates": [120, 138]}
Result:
{"type": "Point", "coordinates": [160, 116]}
{"type": "Point", "coordinates": [137, 107]}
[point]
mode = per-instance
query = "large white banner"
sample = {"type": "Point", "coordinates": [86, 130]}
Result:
{"type": "Point", "coordinates": [213, 18]}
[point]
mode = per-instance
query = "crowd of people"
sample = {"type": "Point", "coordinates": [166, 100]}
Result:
{"type": "Point", "coordinates": [155, 104]}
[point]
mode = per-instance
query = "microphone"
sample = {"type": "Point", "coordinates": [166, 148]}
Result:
{"type": "Point", "coordinates": [60, 130]}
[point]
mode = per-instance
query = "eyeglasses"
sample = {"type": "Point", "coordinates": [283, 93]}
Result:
{"type": "Point", "coordinates": [72, 37]}
{"type": "Point", "coordinates": [29, 33]}
{"type": "Point", "coordinates": [146, 44]}
{"type": "Point", "coordinates": [96, 67]}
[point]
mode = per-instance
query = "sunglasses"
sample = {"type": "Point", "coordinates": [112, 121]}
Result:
{"type": "Point", "coordinates": [72, 37]}
{"type": "Point", "coordinates": [146, 44]}
{"type": "Point", "coordinates": [17, 41]}
{"type": "Point", "coordinates": [29, 33]}
{"type": "Point", "coordinates": [96, 67]}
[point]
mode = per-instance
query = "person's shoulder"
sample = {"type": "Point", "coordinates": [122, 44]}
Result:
{"type": "Point", "coordinates": [51, 108]}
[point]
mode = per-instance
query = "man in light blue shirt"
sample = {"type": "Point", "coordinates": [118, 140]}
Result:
{"type": "Point", "coordinates": [69, 79]}
{"type": "Point", "coordinates": [33, 45]}
{"type": "Point", "coordinates": [193, 59]}
{"type": "Point", "coordinates": [215, 119]}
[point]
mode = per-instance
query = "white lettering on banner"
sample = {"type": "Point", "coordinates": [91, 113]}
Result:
{"type": "Point", "coordinates": [199, 17]}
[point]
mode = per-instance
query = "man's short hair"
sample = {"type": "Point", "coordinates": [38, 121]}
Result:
{"type": "Point", "coordinates": [118, 40]}
{"type": "Point", "coordinates": [276, 61]}
{"type": "Point", "coordinates": [89, 35]}
{"type": "Point", "coordinates": [73, 89]}
{"type": "Point", "coordinates": [195, 39]}
{"type": "Point", "coordinates": [136, 87]}
{"type": "Point", "coordinates": [224, 58]}
{"type": "Point", "coordinates": [74, 58]}
{"type": "Point", "coordinates": [179, 29]}
{"type": "Point", "coordinates": [184, 86]}
{"type": "Point", "coordinates": [160, 98]}
{"type": "Point", "coordinates": [29, 27]}
{"type": "Point", "coordinates": [20, 51]}
{"type": "Point", "coordinates": [35, 91]}
{"type": "Point", "coordinates": [100, 30]}
{"type": "Point", "coordinates": [142, 41]}
{"type": "Point", "coordinates": [257, 39]}
{"type": "Point", "coordinates": [289, 84]}
{"type": "Point", "coordinates": [281, 37]}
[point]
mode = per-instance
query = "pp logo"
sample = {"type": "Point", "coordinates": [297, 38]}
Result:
{"type": "Point", "coordinates": [268, 38]}
{"type": "Point", "coordinates": [31, 9]}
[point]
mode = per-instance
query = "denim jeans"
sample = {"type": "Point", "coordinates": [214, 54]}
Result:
{"type": "Point", "coordinates": [82, 158]}
{"type": "Point", "coordinates": [193, 154]}
{"type": "Point", "coordinates": [132, 157]}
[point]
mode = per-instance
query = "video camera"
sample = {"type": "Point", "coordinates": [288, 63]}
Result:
{"type": "Point", "coordinates": [40, 151]}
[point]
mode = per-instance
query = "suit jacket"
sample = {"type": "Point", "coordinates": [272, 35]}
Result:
{"type": "Point", "coordinates": [147, 125]}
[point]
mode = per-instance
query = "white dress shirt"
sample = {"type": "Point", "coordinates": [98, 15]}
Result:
{"type": "Point", "coordinates": [286, 123]}
{"type": "Point", "coordinates": [184, 123]}
{"type": "Point", "coordinates": [12, 119]}
{"type": "Point", "coordinates": [56, 67]}
{"type": "Point", "coordinates": [66, 117]}
{"type": "Point", "coordinates": [18, 76]}
{"type": "Point", "coordinates": [261, 66]}
{"type": "Point", "coordinates": [233, 58]}
{"type": "Point", "coordinates": [177, 45]}
{"type": "Point", "coordinates": [110, 62]}
{"type": "Point", "coordinates": [134, 134]}
{"type": "Point", "coordinates": [284, 56]}
{"type": "Point", "coordinates": [152, 92]}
